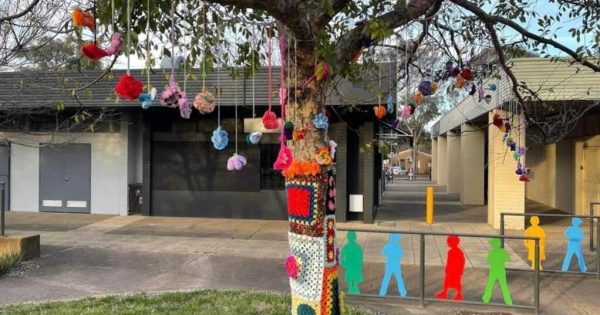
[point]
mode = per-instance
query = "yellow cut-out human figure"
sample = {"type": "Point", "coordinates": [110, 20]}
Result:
{"type": "Point", "coordinates": [535, 231]}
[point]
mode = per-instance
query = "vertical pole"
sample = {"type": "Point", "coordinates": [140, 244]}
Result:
{"type": "Point", "coordinates": [429, 215]}
{"type": "Point", "coordinates": [592, 227]}
{"type": "Point", "coordinates": [536, 293]}
{"type": "Point", "coordinates": [422, 267]}
{"type": "Point", "coordinates": [502, 228]}
{"type": "Point", "coordinates": [598, 250]}
{"type": "Point", "coordinates": [2, 192]}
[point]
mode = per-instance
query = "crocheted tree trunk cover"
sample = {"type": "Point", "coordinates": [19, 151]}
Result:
{"type": "Point", "coordinates": [312, 264]}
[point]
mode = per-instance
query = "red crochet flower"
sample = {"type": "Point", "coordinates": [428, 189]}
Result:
{"type": "Point", "coordinates": [292, 266]}
{"type": "Point", "coordinates": [269, 120]}
{"type": "Point", "coordinates": [93, 52]}
{"type": "Point", "coordinates": [466, 74]}
{"type": "Point", "coordinates": [129, 87]}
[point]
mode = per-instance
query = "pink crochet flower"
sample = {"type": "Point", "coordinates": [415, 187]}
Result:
{"type": "Point", "coordinates": [173, 96]}
{"type": "Point", "coordinates": [284, 158]}
{"type": "Point", "coordinates": [269, 120]}
{"type": "Point", "coordinates": [292, 265]}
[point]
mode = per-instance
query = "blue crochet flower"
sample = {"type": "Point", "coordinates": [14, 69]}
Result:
{"type": "Point", "coordinates": [321, 121]}
{"type": "Point", "coordinates": [254, 137]}
{"type": "Point", "coordinates": [220, 138]}
{"type": "Point", "coordinates": [390, 104]}
{"type": "Point", "coordinates": [147, 98]}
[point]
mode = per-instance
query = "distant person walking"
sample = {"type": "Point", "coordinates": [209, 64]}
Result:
{"type": "Point", "coordinates": [351, 258]}
{"type": "Point", "coordinates": [497, 258]}
{"type": "Point", "coordinates": [575, 235]}
{"type": "Point", "coordinates": [535, 231]}
{"type": "Point", "coordinates": [455, 267]}
{"type": "Point", "coordinates": [393, 257]}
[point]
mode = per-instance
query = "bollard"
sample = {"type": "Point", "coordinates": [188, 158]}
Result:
{"type": "Point", "coordinates": [429, 215]}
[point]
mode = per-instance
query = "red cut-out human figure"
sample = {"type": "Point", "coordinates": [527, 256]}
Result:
{"type": "Point", "coordinates": [455, 267]}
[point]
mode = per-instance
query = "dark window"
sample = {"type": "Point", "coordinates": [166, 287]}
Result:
{"type": "Point", "coordinates": [270, 179]}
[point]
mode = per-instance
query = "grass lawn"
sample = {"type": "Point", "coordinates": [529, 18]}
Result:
{"type": "Point", "coordinates": [198, 302]}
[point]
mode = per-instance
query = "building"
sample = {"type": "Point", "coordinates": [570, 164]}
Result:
{"type": "Point", "coordinates": [470, 157]}
{"type": "Point", "coordinates": [404, 160]}
{"type": "Point", "coordinates": [170, 158]}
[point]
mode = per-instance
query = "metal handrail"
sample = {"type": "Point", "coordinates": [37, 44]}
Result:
{"type": "Point", "coordinates": [423, 299]}
{"type": "Point", "coordinates": [591, 217]}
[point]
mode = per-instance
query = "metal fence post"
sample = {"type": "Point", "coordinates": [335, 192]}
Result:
{"type": "Point", "coordinates": [592, 227]}
{"type": "Point", "coordinates": [2, 192]}
{"type": "Point", "coordinates": [502, 229]}
{"type": "Point", "coordinates": [536, 293]}
{"type": "Point", "coordinates": [422, 268]}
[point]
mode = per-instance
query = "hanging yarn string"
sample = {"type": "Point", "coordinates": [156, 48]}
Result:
{"type": "Point", "coordinates": [92, 50]}
{"type": "Point", "coordinates": [204, 101]}
{"type": "Point", "coordinates": [284, 157]}
{"type": "Point", "coordinates": [148, 97]}
{"type": "Point", "coordinates": [380, 110]}
{"type": "Point", "coordinates": [129, 87]}
{"type": "Point", "coordinates": [185, 110]}
{"type": "Point", "coordinates": [269, 118]}
{"type": "Point", "coordinates": [220, 137]}
{"type": "Point", "coordinates": [172, 95]}
{"type": "Point", "coordinates": [254, 137]}
{"type": "Point", "coordinates": [237, 161]}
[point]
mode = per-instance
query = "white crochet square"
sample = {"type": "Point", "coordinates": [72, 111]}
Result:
{"type": "Point", "coordinates": [310, 250]}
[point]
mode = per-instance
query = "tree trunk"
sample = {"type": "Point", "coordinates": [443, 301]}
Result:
{"type": "Point", "coordinates": [311, 210]}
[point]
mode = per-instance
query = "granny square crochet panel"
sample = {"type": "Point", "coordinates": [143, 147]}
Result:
{"type": "Point", "coordinates": [330, 300]}
{"type": "Point", "coordinates": [308, 284]}
{"type": "Point", "coordinates": [330, 259]}
{"type": "Point", "coordinates": [306, 203]}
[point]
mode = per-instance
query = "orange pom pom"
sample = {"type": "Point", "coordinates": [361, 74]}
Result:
{"type": "Point", "coordinates": [418, 98]}
{"type": "Point", "coordinates": [83, 19]}
{"type": "Point", "coordinates": [380, 111]}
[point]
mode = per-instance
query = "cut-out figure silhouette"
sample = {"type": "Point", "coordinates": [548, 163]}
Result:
{"type": "Point", "coordinates": [393, 256]}
{"type": "Point", "coordinates": [575, 235]}
{"type": "Point", "coordinates": [535, 231]}
{"type": "Point", "coordinates": [455, 267]}
{"type": "Point", "coordinates": [351, 258]}
{"type": "Point", "coordinates": [497, 258]}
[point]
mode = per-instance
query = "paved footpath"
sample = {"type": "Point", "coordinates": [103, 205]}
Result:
{"type": "Point", "coordinates": [89, 255]}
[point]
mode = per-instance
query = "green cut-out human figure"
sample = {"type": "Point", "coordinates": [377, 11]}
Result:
{"type": "Point", "coordinates": [497, 258]}
{"type": "Point", "coordinates": [351, 258]}
{"type": "Point", "coordinates": [535, 231]}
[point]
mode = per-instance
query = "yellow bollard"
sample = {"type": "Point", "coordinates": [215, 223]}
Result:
{"type": "Point", "coordinates": [429, 215]}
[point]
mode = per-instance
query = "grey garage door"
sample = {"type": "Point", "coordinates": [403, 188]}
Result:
{"type": "Point", "coordinates": [65, 178]}
{"type": "Point", "coordinates": [5, 173]}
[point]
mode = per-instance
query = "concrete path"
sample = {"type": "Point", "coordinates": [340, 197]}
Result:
{"type": "Point", "coordinates": [86, 255]}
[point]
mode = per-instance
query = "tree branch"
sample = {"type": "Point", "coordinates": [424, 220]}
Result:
{"type": "Point", "coordinates": [487, 18]}
{"type": "Point", "coordinates": [20, 14]}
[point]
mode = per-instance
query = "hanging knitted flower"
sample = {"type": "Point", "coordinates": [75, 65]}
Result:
{"type": "Point", "coordinates": [455, 72]}
{"type": "Point", "coordinates": [204, 101]}
{"type": "Point", "coordinates": [269, 120]}
{"type": "Point", "coordinates": [321, 121]}
{"type": "Point", "coordinates": [425, 87]}
{"type": "Point", "coordinates": [147, 98]}
{"type": "Point", "coordinates": [93, 52]}
{"type": "Point", "coordinates": [390, 104]}
{"type": "Point", "coordinates": [507, 126]}
{"type": "Point", "coordinates": [516, 155]}
{"type": "Point", "coordinates": [497, 121]}
{"type": "Point", "coordinates": [380, 111]}
{"type": "Point", "coordinates": [524, 178]}
{"type": "Point", "coordinates": [172, 95]}
{"type": "Point", "coordinates": [292, 266]}
{"type": "Point", "coordinates": [82, 18]}
{"type": "Point", "coordinates": [288, 130]}
{"type": "Point", "coordinates": [406, 111]}
{"type": "Point", "coordinates": [323, 156]}
{"type": "Point", "coordinates": [254, 137]}
{"type": "Point", "coordinates": [219, 138]}
{"type": "Point", "coordinates": [492, 87]}
{"type": "Point", "coordinates": [116, 43]}
{"type": "Point", "coordinates": [466, 74]}
{"type": "Point", "coordinates": [332, 146]}
{"type": "Point", "coordinates": [185, 110]}
{"type": "Point", "coordinates": [434, 87]}
{"type": "Point", "coordinates": [460, 82]}
{"type": "Point", "coordinates": [236, 162]}
{"type": "Point", "coordinates": [284, 158]}
{"type": "Point", "coordinates": [299, 134]}
{"type": "Point", "coordinates": [418, 98]}
{"type": "Point", "coordinates": [129, 88]}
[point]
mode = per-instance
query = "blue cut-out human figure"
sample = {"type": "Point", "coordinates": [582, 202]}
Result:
{"type": "Point", "coordinates": [393, 256]}
{"type": "Point", "coordinates": [575, 235]}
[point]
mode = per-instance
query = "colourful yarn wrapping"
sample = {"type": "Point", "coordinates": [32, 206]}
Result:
{"type": "Point", "coordinates": [129, 88]}
{"type": "Point", "coordinates": [321, 121]}
{"type": "Point", "coordinates": [292, 266]}
{"type": "Point", "coordinates": [254, 137]}
{"type": "Point", "coordinates": [173, 96]}
{"type": "Point", "coordinates": [269, 120]}
{"type": "Point", "coordinates": [147, 98]}
{"type": "Point", "coordinates": [220, 138]}
{"type": "Point", "coordinates": [285, 158]}
{"type": "Point", "coordinates": [426, 88]}
{"type": "Point", "coordinates": [236, 162]}
{"type": "Point", "coordinates": [204, 102]}
{"type": "Point", "coordinates": [301, 168]}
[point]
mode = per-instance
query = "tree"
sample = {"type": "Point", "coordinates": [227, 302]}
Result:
{"type": "Point", "coordinates": [334, 33]}
{"type": "Point", "coordinates": [55, 54]}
